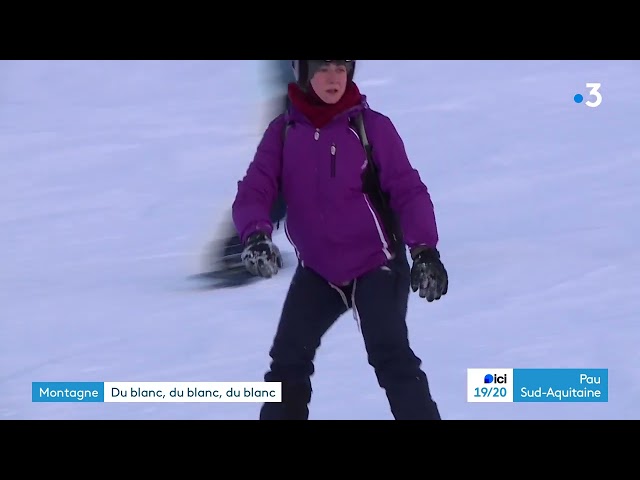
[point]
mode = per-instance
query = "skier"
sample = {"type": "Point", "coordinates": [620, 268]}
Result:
{"type": "Point", "coordinates": [225, 255]}
{"type": "Point", "coordinates": [351, 257]}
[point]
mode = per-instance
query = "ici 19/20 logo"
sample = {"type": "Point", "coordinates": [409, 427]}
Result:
{"type": "Point", "coordinates": [489, 378]}
{"type": "Point", "coordinates": [594, 91]}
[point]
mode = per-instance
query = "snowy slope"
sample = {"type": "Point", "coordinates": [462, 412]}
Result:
{"type": "Point", "coordinates": [115, 173]}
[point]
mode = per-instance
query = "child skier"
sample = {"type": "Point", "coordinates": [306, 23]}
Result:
{"type": "Point", "coordinates": [350, 255]}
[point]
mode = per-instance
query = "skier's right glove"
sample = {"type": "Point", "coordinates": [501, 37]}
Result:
{"type": "Point", "coordinates": [261, 257]}
{"type": "Point", "coordinates": [428, 275]}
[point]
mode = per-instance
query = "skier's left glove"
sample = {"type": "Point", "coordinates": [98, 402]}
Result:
{"type": "Point", "coordinates": [428, 275]}
{"type": "Point", "coordinates": [261, 257]}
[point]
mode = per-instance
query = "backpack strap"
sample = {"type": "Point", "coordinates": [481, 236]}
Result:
{"type": "Point", "coordinates": [373, 188]}
{"type": "Point", "coordinates": [279, 209]}
{"type": "Point", "coordinates": [285, 130]}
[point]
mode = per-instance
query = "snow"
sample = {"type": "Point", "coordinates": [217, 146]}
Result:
{"type": "Point", "coordinates": [115, 174]}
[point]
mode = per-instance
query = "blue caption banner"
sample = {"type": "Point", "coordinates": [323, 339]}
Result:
{"type": "Point", "coordinates": [69, 392]}
{"type": "Point", "coordinates": [560, 385]}
{"type": "Point", "coordinates": [155, 392]}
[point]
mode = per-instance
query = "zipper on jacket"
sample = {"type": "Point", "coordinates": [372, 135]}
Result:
{"type": "Point", "coordinates": [333, 160]}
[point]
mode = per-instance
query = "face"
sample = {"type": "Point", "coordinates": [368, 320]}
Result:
{"type": "Point", "coordinates": [329, 82]}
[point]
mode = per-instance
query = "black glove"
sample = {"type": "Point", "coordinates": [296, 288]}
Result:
{"type": "Point", "coordinates": [260, 256]}
{"type": "Point", "coordinates": [428, 274]}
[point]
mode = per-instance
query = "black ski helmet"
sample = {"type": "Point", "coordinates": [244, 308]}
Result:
{"type": "Point", "coordinates": [303, 68]}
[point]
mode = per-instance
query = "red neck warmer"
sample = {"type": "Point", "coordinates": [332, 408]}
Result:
{"type": "Point", "coordinates": [318, 112]}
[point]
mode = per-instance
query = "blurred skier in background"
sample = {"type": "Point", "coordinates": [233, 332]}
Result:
{"type": "Point", "coordinates": [224, 255]}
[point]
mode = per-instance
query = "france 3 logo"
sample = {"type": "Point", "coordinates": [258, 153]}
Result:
{"type": "Point", "coordinates": [593, 92]}
{"type": "Point", "coordinates": [490, 385]}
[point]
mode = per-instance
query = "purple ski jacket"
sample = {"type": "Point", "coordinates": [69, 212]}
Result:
{"type": "Point", "coordinates": [330, 222]}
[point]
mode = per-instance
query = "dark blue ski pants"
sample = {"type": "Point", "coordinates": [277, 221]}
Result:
{"type": "Point", "coordinates": [312, 306]}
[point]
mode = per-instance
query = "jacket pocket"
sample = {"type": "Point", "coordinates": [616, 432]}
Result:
{"type": "Point", "coordinates": [333, 151]}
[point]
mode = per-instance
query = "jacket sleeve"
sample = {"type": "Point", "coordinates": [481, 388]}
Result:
{"type": "Point", "coordinates": [409, 196]}
{"type": "Point", "coordinates": [258, 190]}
